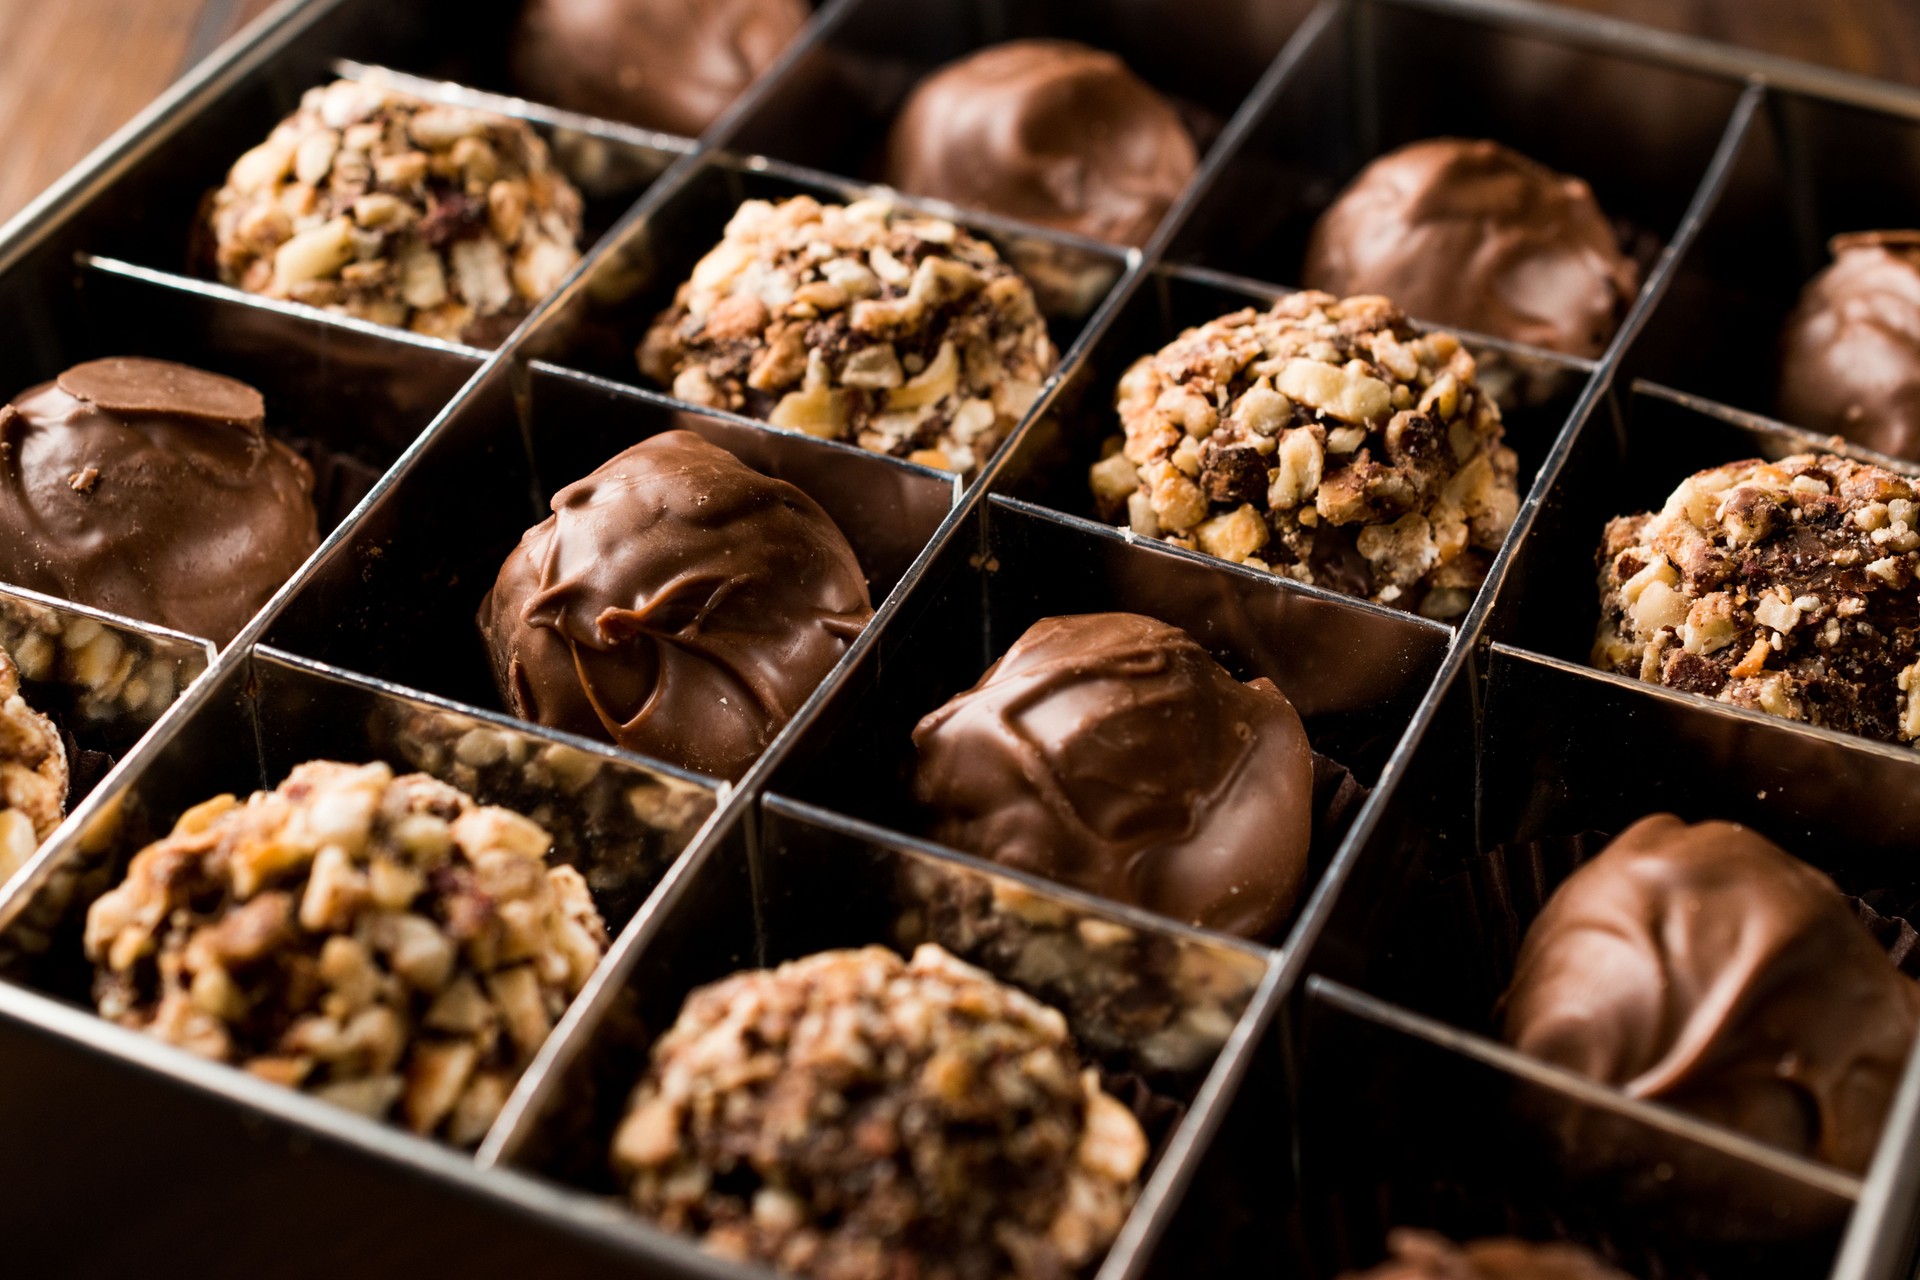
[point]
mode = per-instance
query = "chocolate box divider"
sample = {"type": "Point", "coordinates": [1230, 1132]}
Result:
{"type": "Point", "coordinates": [1799, 439]}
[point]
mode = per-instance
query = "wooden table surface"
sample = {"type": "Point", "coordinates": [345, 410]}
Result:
{"type": "Point", "coordinates": [72, 71]}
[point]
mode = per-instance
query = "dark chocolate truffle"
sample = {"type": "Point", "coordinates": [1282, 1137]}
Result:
{"type": "Point", "coordinates": [1702, 967]}
{"type": "Point", "coordinates": [1048, 131]}
{"type": "Point", "coordinates": [1469, 233]}
{"type": "Point", "coordinates": [672, 65]}
{"type": "Point", "coordinates": [1110, 752]}
{"type": "Point", "coordinates": [676, 602]}
{"type": "Point", "coordinates": [151, 489]}
{"type": "Point", "coordinates": [1850, 352]}
{"type": "Point", "coordinates": [1422, 1255]}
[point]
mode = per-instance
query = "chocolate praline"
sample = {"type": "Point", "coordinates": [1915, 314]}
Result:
{"type": "Point", "coordinates": [672, 65]}
{"type": "Point", "coordinates": [1703, 967]}
{"type": "Point", "coordinates": [1110, 752]}
{"type": "Point", "coordinates": [677, 603]}
{"type": "Point", "coordinates": [151, 489]}
{"type": "Point", "coordinates": [1423, 1255]}
{"type": "Point", "coordinates": [1469, 233]}
{"type": "Point", "coordinates": [1850, 352]}
{"type": "Point", "coordinates": [1048, 131]}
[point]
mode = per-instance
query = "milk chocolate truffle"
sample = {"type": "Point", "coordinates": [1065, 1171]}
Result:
{"type": "Point", "coordinates": [151, 489]}
{"type": "Point", "coordinates": [1048, 131]}
{"type": "Point", "coordinates": [1469, 233]}
{"type": "Point", "coordinates": [1787, 587]}
{"type": "Point", "coordinates": [1321, 439]}
{"type": "Point", "coordinates": [1850, 352]}
{"type": "Point", "coordinates": [33, 774]}
{"type": "Point", "coordinates": [385, 943]}
{"type": "Point", "coordinates": [671, 65]}
{"type": "Point", "coordinates": [860, 322]}
{"type": "Point", "coordinates": [1422, 1255]}
{"type": "Point", "coordinates": [1110, 752]}
{"type": "Point", "coordinates": [1703, 967]}
{"type": "Point", "coordinates": [854, 1116]}
{"type": "Point", "coordinates": [386, 207]}
{"type": "Point", "coordinates": [676, 602]}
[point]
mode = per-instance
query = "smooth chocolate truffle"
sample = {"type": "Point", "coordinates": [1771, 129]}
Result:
{"type": "Point", "coordinates": [1850, 352]}
{"type": "Point", "coordinates": [387, 207]}
{"type": "Point", "coordinates": [1472, 234]}
{"type": "Point", "coordinates": [898, 332]}
{"type": "Point", "coordinates": [1112, 753]}
{"type": "Point", "coordinates": [671, 65]}
{"type": "Point", "coordinates": [151, 489]}
{"type": "Point", "coordinates": [854, 1116]}
{"type": "Point", "coordinates": [1422, 1255]}
{"type": "Point", "coordinates": [678, 603]}
{"type": "Point", "coordinates": [33, 774]}
{"type": "Point", "coordinates": [1703, 967]}
{"type": "Point", "coordinates": [382, 942]}
{"type": "Point", "coordinates": [1786, 587]}
{"type": "Point", "coordinates": [1324, 440]}
{"type": "Point", "coordinates": [1048, 131]}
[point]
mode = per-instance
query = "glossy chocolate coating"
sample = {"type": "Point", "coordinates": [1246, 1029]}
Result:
{"type": "Point", "coordinates": [1850, 352]}
{"type": "Point", "coordinates": [151, 489]}
{"type": "Point", "coordinates": [1048, 131]}
{"type": "Point", "coordinates": [1472, 234]}
{"type": "Point", "coordinates": [672, 65]}
{"type": "Point", "coordinates": [677, 602]}
{"type": "Point", "coordinates": [1705, 968]}
{"type": "Point", "coordinates": [1110, 752]}
{"type": "Point", "coordinates": [1422, 1255]}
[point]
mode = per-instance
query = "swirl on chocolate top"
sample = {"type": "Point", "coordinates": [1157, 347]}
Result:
{"type": "Point", "coordinates": [1110, 752]}
{"type": "Point", "coordinates": [1703, 967]}
{"type": "Point", "coordinates": [151, 489]}
{"type": "Point", "coordinates": [678, 603]}
{"type": "Point", "coordinates": [1850, 352]}
{"type": "Point", "coordinates": [1472, 234]}
{"type": "Point", "coordinates": [1423, 1255]}
{"type": "Point", "coordinates": [1049, 131]}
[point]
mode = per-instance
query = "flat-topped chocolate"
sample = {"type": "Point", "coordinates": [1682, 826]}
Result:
{"type": "Point", "coordinates": [1704, 967]}
{"type": "Point", "coordinates": [151, 489]}
{"type": "Point", "coordinates": [1110, 752]}
{"type": "Point", "coordinates": [1850, 352]}
{"type": "Point", "coordinates": [1049, 131]}
{"type": "Point", "coordinates": [1424, 1255]}
{"type": "Point", "coordinates": [677, 602]}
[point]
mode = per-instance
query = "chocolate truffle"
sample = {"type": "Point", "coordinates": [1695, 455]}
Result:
{"type": "Point", "coordinates": [1850, 352]}
{"type": "Point", "coordinates": [1784, 586]}
{"type": "Point", "coordinates": [1048, 131]}
{"type": "Point", "coordinates": [676, 602]}
{"type": "Point", "coordinates": [1469, 233]}
{"type": "Point", "coordinates": [33, 774]}
{"type": "Point", "coordinates": [386, 207]}
{"type": "Point", "coordinates": [1702, 967]}
{"type": "Point", "coordinates": [853, 1115]}
{"type": "Point", "coordinates": [672, 65]}
{"type": "Point", "coordinates": [151, 489]}
{"type": "Point", "coordinates": [384, 943]}
{"type": "Point", "coordinates": [1108, 751]}
{"type": "Point", "coordinates": [1321, 439]}
{"type": "Point", "coordinates": [860, 322]}
{"type": "Point", "coordinates": [1422, 1255]}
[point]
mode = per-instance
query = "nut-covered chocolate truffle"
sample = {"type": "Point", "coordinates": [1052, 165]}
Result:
{"type": "Point", "coordinates": [1785, 586]}
{"type": "Point", "coordinates": [1469, 233]}
{"type": "Point", "coordinates": [855, 1116]}
{"type": "Point", "coordinates": [1321, 439]}
{"type": "Point", "coordinates": [1703, 967]}
{"type": "Point", "coordinates": [151, 489]}
{"type": "Point", "coordinates": [857, 322]}
{"type": "Point", "coordinates": [1048, 131]}
{"type": "Point", "coordinates": [382, 942]}
{"type": "Point", "coordinates": [33, 774]}
{"type": "Point", "coordinates": [1422, 1255]}
{"type": "Point", "coordinates": [1850, 352]}
{"type": "Point", "coordinates": [678, 603]}
{"type": "Point", "coordinates": [367, 201]}
{"type": "Point", "coordinates": [672, 65]}
{"type": "Point", "coordinates": [1112, 753]}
